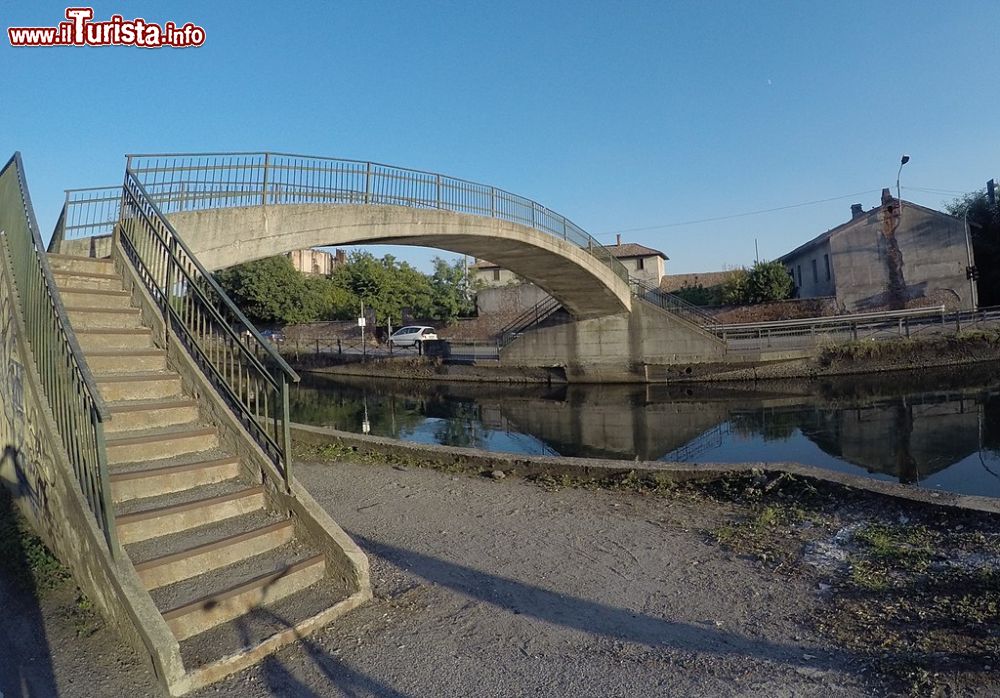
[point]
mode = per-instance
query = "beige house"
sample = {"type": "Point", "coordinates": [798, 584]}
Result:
{"type": "Point", "coordinates": [316, 261]}
{"type": "Point", "coordinates": [643, 263]}
{"type": "Point", "coordinates": [489, 275]}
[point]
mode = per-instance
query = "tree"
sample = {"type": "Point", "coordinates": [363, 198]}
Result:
{"type": "Point", "coordinates": [763, 283]}
{"type": "Point", "coordinates": [271, 291]}
{"type": "Point", "coordinates": [451, 296]}
{"type": "Point", "coordinates": [984, 231]}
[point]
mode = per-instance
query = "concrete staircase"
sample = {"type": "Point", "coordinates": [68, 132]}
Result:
{"type": "Point", "coordinates": [233, 578]}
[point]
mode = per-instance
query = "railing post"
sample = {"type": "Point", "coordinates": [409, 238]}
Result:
{"type": "Point", "coordinates": [437, 187]}
{"type": "Point", "coordinates": [168, 288]}
{"type": "Point", "coordinates": [286, 434]}
{"type": "Point", "coordinates": [368, 182]}
{"type": "Point", "coordinates": [107, 503]}
{"type": "Point", "coordinates": [263, 189]}
{"type": "Point", "coordinates": [493, 202]}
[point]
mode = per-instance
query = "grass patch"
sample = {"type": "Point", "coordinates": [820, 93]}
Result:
{"type": "Point", "coordinates": [965, 344]}
{"type": "Point", "coordinates": [24, 559]}
{"type": "Point", "coordinates": [921, 602]}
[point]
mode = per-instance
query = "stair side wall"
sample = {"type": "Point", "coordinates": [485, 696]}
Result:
{"type": "Point", "coordinates": [35, 468]}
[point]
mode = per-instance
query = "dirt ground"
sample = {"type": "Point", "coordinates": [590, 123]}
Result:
{"type": "Point", "coordinates": [502, 587]}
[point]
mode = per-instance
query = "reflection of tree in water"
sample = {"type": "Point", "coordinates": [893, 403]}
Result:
{"type": "Point", "coordinates": [769, 424]}
{"type": "Point", "coordinates": [461, 425]}
{"type": "Point", "coordinates": [344, 409]}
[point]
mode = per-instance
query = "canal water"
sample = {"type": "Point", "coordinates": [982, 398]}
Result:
{"type": "Point", "coordinates": [935, 430]}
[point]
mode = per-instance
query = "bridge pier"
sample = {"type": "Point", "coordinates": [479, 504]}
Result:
{"type": "Point", "coordinates": [616, 348]}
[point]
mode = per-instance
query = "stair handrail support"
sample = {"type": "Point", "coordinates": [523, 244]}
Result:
{"type": "Point", "coordinates": [74, 399]}
{"type": "Point", "coordinates": [186, 292]}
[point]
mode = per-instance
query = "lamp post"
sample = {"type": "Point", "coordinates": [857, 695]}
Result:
{"type": "Point", "coordinates": [902, 161]}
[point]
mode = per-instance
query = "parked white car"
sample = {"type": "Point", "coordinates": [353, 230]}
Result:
{"type": "Point", "coordinates": [409, 336]}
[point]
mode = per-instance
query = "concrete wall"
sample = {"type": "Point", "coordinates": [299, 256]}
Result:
{"type": "Point", "coordinates": [223, 237]}
{"type": "Point", "coordinates": [35, 468]}
{"type": "Point", "coordinates": [883, 261]}
{"type": "Point", "coordinates": [813, 271]}
{"type": "Point", "coordinates": [615, 347]}
{"type": "Point", "coordinates": [509, 300]}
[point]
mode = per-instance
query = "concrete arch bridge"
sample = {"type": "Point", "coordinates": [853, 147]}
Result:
{"type": "Point", "coordinates": [237, 207]}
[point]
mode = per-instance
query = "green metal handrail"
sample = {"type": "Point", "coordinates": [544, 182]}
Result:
{"type": "Point", "coordinates": [196, 181]}
{"type": "Point", "coordinates": [69, 388]}
{"type": "Point", "coordinates": [248, 372]}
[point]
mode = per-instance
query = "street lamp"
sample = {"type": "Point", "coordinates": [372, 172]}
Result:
{"type": "Point", "coordinates": [902, 161]}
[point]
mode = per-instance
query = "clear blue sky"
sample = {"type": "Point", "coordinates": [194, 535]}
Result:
{"type": "Point", "coordinates": [620, 115]}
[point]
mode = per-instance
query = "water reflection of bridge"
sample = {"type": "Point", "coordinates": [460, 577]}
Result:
{"type": "Point", "coordinates": [907, 436]}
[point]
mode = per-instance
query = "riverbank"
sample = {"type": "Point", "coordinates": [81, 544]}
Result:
{"type": "Point", "coordinates": [851, 358]}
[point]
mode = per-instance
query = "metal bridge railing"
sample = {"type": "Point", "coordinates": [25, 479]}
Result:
{"type": "Point", "coordinates": [87, 213]}
{"type": "Point", "coordinates": [243, 366]}
{"type": "Point", "coordinates": [191, 182]}
{"type": "Point", "coordinates": [673, 304]}
{"type": "Point", "coordinates": [529, 318]}
{"type": "Point", "coordinates": [69, 387]}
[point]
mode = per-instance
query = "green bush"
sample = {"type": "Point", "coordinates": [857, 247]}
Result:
{"type": "Point", "coordinates": [763, 283]}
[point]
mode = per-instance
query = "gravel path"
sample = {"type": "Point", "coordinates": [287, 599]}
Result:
{"type": "Point", "coordinates": [497, 588]}
{"type": "Point", "coordinates": [487, 588]}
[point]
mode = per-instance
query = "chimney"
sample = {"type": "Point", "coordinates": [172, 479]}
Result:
{"type": "Point", "coordinates": [857, 210]}
{"type": "Point", "coordinates": [886, 196]}
{"type": "Point", "coordinates": [618, 239]}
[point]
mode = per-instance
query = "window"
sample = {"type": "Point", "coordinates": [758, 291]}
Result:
{"type": "Point", "coordinates": [638, 264]}
{"type": "Point", "coordinates": [826, 261]}
{"type": "Point", "coordinates": [496, 274]}
{"type": "Point", "coordinates": [815, 272]}
{"type": "Point", "coordinates": [800, 275]}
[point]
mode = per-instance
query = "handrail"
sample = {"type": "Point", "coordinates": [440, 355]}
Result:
{"type": "Point", "coordinates": [674, 304]}
{"type": "Point", "coordinates": [196, 181]}
{"type": "Point", "coordinates": [834, 320]}
{"type": "Point", "coordinates": [249, 373]}
{"type": "Point", "coordinates": [532, 316]}
{"type": "Point", "coordinates": [70, 388]}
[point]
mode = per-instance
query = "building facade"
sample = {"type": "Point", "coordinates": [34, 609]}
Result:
{"type": "Point", "coordinates": [317, 262]}
{"type": "Point", "coordinates": [896, 255]}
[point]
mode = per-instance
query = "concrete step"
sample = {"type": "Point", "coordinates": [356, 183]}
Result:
{"type": "Point", "coordinates": [263, 630]}
{"type": "Point", "coordinates": [126, 361]}
{"type": "Point", "coordinates": [145, 551]}
{"type": "Point", "coordinates": [154, 444]}
{"type": "Point", "coordinates": [154, 482]}
{"type": "Point", "coordinates": [153, 414]}
{"type": "Point", "coordinates": [82, 279]}
{"type": "Point", "coordinates": [94, 298]}
{"type": "Point", "coordinates": [104, 318]}
{"type": "Point", "coordinates": [143, 524]}
{"type": "Point", "coordinates": [200, 614]}
{"type": "Point", "coordinates": [90, 265]}
{"type": "Point", "coordinates": [114, 340]}
{"type": "Point", "coordinates": [139, 386]}
{"type": "Point", "coordinates": [185, 564]}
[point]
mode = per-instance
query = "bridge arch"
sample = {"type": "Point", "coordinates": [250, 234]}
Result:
{"type": "Point", "coordinates": [236, 207]}
{"type": "Point", "coordinates": [225, 237]}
